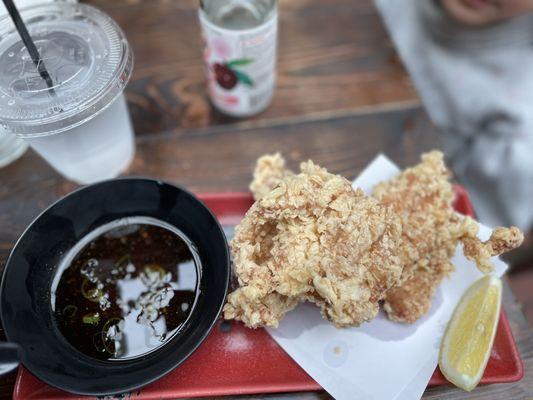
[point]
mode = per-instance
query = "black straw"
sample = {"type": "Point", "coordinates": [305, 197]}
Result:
{"type": "Point", "coordinates": [28, 42]}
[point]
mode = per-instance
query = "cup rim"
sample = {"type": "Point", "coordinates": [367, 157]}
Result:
{"type": "Point", "coordinates": [88, 108]}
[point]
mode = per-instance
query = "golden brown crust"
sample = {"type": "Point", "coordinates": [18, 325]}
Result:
{"type": "Point", "coordinates": [501, 240]}
{"type": "Point", "coordinates": [422, 196]}
{"type": "Point", "coordinates": [412, 299]}
{"type": "Point", "coordinates": [269, 171]}
{"type": "Point", "coordinates": [314, 238]}
{"type": "Point", "coordinates": [310, 237]}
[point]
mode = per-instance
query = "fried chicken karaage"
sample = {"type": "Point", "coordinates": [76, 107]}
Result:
{"type": "Point", "coordinates": [311, 237]}
{"type": "Point", "coordinates": [269, 171]}
{"type": "Point", "coordinates": [422, 196]}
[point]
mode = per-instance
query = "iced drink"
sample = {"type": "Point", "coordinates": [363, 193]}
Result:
{"type": "Point", "coordinates": [11, 148]}
{"type": "Point", "coordinates": [79, 124]}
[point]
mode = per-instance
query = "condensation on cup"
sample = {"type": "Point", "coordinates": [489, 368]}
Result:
{"type": "Point", "coordinates": [80, 124]}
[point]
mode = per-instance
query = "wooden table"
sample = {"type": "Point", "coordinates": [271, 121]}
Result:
{"type": "Point", "coordinates": [342, 97]}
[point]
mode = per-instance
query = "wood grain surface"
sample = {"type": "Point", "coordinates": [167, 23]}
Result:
{"type": "Point", "coordinates": [342, 97]}
{"type": "Point", "coordinates": [334, 56]}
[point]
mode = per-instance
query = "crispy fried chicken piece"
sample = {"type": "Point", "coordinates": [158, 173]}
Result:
{"type": "Point", "coordinates": [314, 238]}
{"type": "Point", "coordinates": [269, 171]}
{"type": "Point", "coordinates": [411, 300]}
{"type": "Point", "coordinates": [501, 241]}
{"type": "Point", "coordinates": [422, 196]}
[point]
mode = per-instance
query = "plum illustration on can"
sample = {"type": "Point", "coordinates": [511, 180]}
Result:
{"type": "Point", "coordinates": [227, 76]}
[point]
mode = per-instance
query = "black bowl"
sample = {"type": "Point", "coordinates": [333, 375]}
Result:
{"type": "Point", "coordinates": [26, 309]}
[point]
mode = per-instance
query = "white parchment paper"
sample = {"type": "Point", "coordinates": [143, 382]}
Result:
{"type": "Point", "coordinates": [381, 359]}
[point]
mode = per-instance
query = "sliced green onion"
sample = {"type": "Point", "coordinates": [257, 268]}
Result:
{"type": "Point", "coordinates": [109, 323]}
{"type": "Point", "coordinates": [97, 342]}
{"type": "Point", "coordinates": [109, 346]}
{"type": "Point", "coordinates": [123, 261]}
{"type": "Point", "coordinates": [92, 294]}
{"type": "Point", "coordinates": [91, 318]}
{"type": "Point", "coordinates": [70, 311]}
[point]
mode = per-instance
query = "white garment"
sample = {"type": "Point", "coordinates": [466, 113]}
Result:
{"type": "Point", "coordinates": [477, 86]}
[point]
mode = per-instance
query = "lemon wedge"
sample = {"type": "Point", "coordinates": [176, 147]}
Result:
{"type": "Point", "coordinates": [467, 342]}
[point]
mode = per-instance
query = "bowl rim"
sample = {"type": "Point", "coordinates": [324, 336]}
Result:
{"type": "Point", "coordinates": [201, 337]}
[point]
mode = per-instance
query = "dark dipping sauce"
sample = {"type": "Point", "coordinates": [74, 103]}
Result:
{"type": "Point", "coordinates": [129, 289]}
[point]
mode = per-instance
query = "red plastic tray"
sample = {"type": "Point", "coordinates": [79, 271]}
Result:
{"type": "Point", "coordinates": [244, 361]}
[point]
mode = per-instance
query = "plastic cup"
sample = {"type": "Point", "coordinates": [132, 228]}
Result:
{"type": "Point", "coordinates": [11, 148]}
{"type": "Point", "coordinates": [81, 125]}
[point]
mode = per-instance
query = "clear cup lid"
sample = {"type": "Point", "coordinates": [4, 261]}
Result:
{"type": "Point", "coordinates": [86, 55]}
